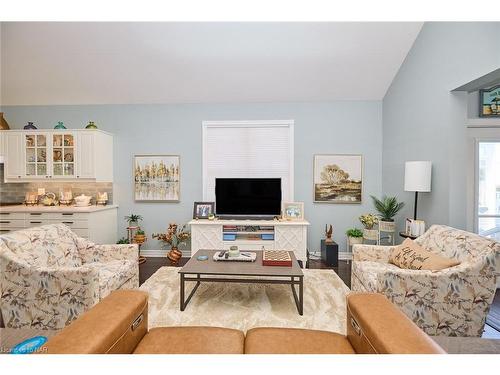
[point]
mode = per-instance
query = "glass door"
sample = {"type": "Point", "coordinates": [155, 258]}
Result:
{"type": "Point", "coordinates": [36, 155]}
{"type": "Point", "coordinates": [488, 188]}
{"type": "Point", "coordinates": [63, 155]}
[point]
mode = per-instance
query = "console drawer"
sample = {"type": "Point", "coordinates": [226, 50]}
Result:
{"type": "Point", "coordinates": [79, 224]}
{"type": "Point", "coordinates": [7, 223]}
{"type": "Point", "coordinates": [84, 233]}
{"type": "Point", "coordinates": [36, 222]}
{"type": "Point", "coordinates": [9, 230]}
{"type": "Point", "coordinates": [12, 215]}
{"type": "Point", "coordinates": [68, 216]}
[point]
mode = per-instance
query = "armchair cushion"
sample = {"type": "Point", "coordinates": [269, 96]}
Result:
{"type": "Point", "coordinates": [410, 255]}
{"type": "Point", "coordinates": [113, 274]}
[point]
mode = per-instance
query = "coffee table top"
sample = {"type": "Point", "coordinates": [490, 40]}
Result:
{"type": "Point", "coordinates": [212, 267]}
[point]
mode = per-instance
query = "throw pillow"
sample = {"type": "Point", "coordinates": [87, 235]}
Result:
{"type": "Point", "coordinates": [410, 255]}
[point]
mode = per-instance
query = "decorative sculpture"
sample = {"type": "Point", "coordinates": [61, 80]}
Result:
{"type": "Point", "coordinates": [328, 233]}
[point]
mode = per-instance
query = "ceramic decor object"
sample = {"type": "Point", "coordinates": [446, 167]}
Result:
{"type": "Point", "coordinates": [29, 126]}
{"type": "Point", "coordinates": [91, 125]}
{"type": "Point", "coordinates": [3, 123]}
{"type": "Point", "coordinates": [60, 125]}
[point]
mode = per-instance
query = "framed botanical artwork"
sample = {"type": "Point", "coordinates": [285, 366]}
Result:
{"type": "Point", "coordinates": [202, 210]}
{"type": "Point", "coordinates": [157, 178]}
{"type": "Point", "coordinates": [489, 102]}
{"type": "Point", "coordinates": [293, 211]}
{"type": "Point", "coordinates": [338, 178]}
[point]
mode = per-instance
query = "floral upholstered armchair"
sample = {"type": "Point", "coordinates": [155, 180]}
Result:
{"type": "Point", "coordinates": [49, 275]}
{"type": "Point", "coordinates": [452, 302]}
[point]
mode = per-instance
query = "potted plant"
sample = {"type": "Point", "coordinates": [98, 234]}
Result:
{"type": "Point", "coordinates": [173, 238]}
{"type": "Point", "coordinates": [354, 236]}
{"type": "Point", "coordinates": [387, 207]}
{"type": "Point", "coordinates": [140, 237]}
{"type": "Point", "coordinates": [133, 220]}
{"type": "Point", "coordinates": [122, 241]}
{"type": "Point", "coordinates": [369, 221]}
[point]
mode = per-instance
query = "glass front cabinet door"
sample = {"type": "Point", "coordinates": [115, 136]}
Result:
{"type": "Point", "coordinates": [36, 150]}
{"type": "Point", "coordinates": [63, 155]}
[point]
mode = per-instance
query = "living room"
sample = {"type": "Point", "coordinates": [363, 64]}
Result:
{"type": "Point", "coordinates": [249, 187]}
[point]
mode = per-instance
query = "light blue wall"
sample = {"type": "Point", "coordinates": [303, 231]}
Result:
{"type": "Point", "coordinates": [422, 120]}
{"type": "Point", "coordinates": [337, 127]}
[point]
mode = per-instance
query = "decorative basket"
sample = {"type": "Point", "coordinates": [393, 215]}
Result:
{"type": "Point", "coordinates": [386, 226]}
{"type": "Point", "coordinates": [355, 240]}
{"type": "Point", "coordinates": [370, 234]}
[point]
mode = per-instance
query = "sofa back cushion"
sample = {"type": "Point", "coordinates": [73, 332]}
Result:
{"type": "Point", "coordinates": [455, 243]}
{"type": "Point", "coordinates": [410, 255]}
{"type": "Point", "coordinates": [45, 246]}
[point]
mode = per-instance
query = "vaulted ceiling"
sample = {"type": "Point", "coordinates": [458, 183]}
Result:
{"type": "Point", "coordinates": [105, 63]}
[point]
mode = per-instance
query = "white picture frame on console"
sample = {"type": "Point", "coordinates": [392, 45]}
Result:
{"type": "Point", "coordinates": [292, 211]}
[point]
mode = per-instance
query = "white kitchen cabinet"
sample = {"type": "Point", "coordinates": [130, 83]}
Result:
{"type": "Point", "coordinates": [13, 155]}
{"type": "Point", "coordinates": [82, 154]}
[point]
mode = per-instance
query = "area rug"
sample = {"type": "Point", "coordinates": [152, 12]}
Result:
{"type": "Point", "coordinates": [245, 306]}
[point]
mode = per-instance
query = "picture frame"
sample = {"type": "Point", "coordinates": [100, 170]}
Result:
{"type": "Point", "coordinates": [202, 210]}
{"type": "Point", "coordinates": [292, 211]}
{"type": "Point", "coordinates": [338, 178]}
{"type": "Point", "coordinates": [156, 178]}
{"type": "Point", "coordinates": [489, 102]}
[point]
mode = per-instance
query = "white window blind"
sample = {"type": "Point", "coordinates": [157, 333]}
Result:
{"type": "Point", "coordinates": [258, 149]}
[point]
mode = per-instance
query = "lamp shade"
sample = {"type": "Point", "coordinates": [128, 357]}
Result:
{"type": "Point", "coordinates": [418, 176]}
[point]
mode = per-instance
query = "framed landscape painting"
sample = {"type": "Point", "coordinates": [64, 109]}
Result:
{"type": "Point", "coordinates": [157, 178]}
{"type": "Point", "coordinates": [338, 178]}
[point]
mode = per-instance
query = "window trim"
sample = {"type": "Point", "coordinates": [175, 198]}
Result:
{"type": "Point", "coordinates": [249, 124]}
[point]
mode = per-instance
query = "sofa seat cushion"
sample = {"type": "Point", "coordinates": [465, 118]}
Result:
{"type": "Point", "coordinates": [367, 273]}
{"type": "Point", "coordinates": [191, 340]}
{"type": "Point", "coordinates": [113, 274]}
{"type": "Point", "coordinates": [45, 246]}
{"type": "Point", "coordinates": [295, 341]}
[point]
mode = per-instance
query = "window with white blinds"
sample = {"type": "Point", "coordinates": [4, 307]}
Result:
{"type": "Point", "coordinates": [258, 149]}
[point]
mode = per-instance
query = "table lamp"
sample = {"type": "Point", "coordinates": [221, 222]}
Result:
{"type": "Point", "coordinates": [418, 179]}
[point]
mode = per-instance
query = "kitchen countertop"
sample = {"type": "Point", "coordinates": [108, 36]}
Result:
{"type": "Point", "coordinates": [40, 208]}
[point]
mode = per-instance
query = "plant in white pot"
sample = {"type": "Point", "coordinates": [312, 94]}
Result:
{"type": "Point", "coordinates": [387, 207]}
{"type": "Point", "coordinates": [369, 221]}
{"type": "Point", "coordinates": [354, 236]}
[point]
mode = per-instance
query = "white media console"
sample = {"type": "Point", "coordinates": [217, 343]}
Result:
{"type": "Point", "coordinates": [250, 235]}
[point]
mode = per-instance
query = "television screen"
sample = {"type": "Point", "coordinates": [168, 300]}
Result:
{"type": "Point", "coordinates": [248, 196]}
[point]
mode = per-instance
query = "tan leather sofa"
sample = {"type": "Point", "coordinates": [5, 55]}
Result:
{"type": "Point", "coordinates": [118, 324]}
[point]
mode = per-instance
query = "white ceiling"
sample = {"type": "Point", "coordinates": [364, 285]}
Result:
{"type": "Point", "coordinates": [105, 63]}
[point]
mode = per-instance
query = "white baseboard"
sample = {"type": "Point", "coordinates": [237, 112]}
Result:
{"type": "Point", "coordinates": [343, 255]}
{"type": "Point", "coordinates": [162, 253]}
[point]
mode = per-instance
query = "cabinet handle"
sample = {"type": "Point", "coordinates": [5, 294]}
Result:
{"type": "Point", "coordinates": [4, 222]}
{"type": "Point", "coordinates": [67, 214]}
{"type": "Point", "coordinates": [35, 213]}
{"type": "Point", "coordinates": [68, 222]}
{"type": "Point", "coordinates": [4, 213]}
{"type": "Point", "coordinates": [35, 222]}
{"type": "Point", "coordinates": [4, 230]}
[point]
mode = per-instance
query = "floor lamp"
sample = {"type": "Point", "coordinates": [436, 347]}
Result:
{"type": "Point", "coordinates": [418, 179]}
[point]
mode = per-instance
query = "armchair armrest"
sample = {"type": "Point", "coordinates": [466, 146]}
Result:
{"type": "Point", "coordinates": [45, 298]}
{"type": "Point", "coordinates": [91, 252]}
{"type": "Point", "coordinates": [372, 253]}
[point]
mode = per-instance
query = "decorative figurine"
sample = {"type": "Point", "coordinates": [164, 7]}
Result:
{"type": "Point", "coordinates": [29, 126]}
{"type": "Point", "coordinates": [60, 125]}
{"type": "Point", "coordinates": [3, 123]}
{"type": "Point", "coordinates": [91, 125]}
{"type": "Point", "coordinates": [328, 233]}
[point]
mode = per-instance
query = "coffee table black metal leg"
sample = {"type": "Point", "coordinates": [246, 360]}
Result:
{"type": "Point", "coordinates": [299, 300]}
{"type": "Point", "coordinates": [185, 302]}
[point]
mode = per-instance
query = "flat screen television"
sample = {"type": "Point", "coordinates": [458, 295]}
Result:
{"type": "Point", "coordinates": [248, 197]}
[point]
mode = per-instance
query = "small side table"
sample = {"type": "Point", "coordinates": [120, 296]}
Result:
{"type": "Point", "coordinates": [407, 235]}
{"type": "Point", "coordinates": [330, 253]}
{"type": "Point", "coordinates": [131, 231]}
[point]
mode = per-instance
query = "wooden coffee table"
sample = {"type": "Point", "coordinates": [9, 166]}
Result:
{"type": "Point", "coordinates": [212, 271]}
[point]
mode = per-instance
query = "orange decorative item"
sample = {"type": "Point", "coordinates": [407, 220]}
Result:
{"type": "Point", "coordinates": [3, 123]}
{"type": "Point", "coordinates": [174, 237]}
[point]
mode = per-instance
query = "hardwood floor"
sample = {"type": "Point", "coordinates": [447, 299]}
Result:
{"type": "Point", "coordinates": [343, 270]}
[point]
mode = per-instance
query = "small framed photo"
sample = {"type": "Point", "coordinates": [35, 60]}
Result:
{"type": "Point", "coordinates": [293, 211]}
{"type": "Point", "coordinates": [489, 102]}
{"type": "Point", "coordinates": [202, 210]}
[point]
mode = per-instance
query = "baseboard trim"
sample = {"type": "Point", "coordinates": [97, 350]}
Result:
{"type": "Point", "coordinates": [343, 255]}
{"type": "Point", "coordinates": [161, 253]}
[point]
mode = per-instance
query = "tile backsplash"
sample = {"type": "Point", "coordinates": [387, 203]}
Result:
{"type": "Point", "coordinates": [15, 192]}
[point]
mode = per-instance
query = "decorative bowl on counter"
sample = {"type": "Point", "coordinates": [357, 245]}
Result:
{"type": "Point", "coordinates": [49, 199]}
{"type": "Point", "coordinates": [82, 200]}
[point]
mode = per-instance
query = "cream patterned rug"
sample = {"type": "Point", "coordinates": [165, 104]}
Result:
{"type": "Point", "coordinates": [245, 306]}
